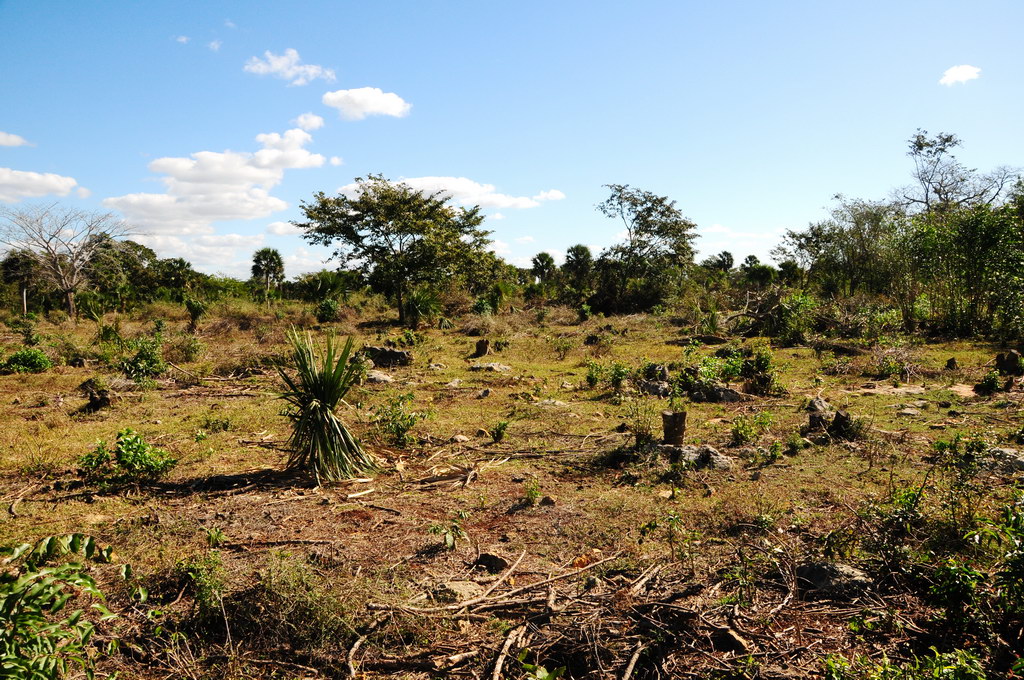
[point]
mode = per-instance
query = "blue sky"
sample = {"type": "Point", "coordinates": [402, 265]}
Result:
{"type": "Point", "coordinates": [205, 124]}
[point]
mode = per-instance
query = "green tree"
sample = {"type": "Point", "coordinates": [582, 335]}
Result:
{"type": "Point", "coordinates": [268, 268]}
{"type": "Point", "coordinates": [653, 260]}
{"type": "Point", "coordinates": [578, 274]}
{"type": "Point", "coordinates": [398, 236]}
{"type": "Point", "coordinates": [20, 267]}
{"type": "Point", "coordinates": [543, 267]}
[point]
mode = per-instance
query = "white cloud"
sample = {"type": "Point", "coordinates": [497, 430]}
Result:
{"type": "Point", "coordinates": [223, 253]}
{"type": "Point", "coordinates": [361, 102]}
{"type": "Point", "coordinates": [464, 191]}
{"type": "Point", "coordinates": [82, 192]}
{"type": "Point", "coordinates": [212, 186]}
{"type": "Point", "coordinates": [302, 261]}
{"type": "Point", "coordinates": [959, 74]}
{"type": "Point", "coordinates": [500, 248]}
{"type": "Point", "coordinates": [336, 160]}
{"type": "Point", "coordinates": [309, 122]}
{"type": "Point", "coordinates": [18, 184]}
{"type": "Point", "coordinates": [525, 239]}
{"type": "Point", "coordinates": [183, 39]}
{"type": "Point", "coordinates": [229, 23]}
{"type": "Point", "coordinates": [497, 216]}
{"type": "Point", "coordinates": [214, 45]}
{"type": "Point", "coordinates": [283, 229]}
{"type": "Point", "coordinates": [10, 139]}
{"type": "Point", "coordinates": [550, 195]}
{"type": "Point", "coordinates": [287, 67]}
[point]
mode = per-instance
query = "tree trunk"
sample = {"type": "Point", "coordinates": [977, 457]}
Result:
{"type": "Point", "coordinates": [24, 300]}
{"type": "Point", "coordinates": [401, 304]}
{"type": "Point", "coordinates": [69, 299]}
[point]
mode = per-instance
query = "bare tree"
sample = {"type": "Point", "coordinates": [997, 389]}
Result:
{"type": "Point", "coordinates": [63, 240]}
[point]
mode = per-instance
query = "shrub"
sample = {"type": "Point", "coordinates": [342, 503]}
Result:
{"type": "Point", "coordinates": [421, 304]}
{"type": "Point", "coordinates": [326, 311]}
{"type": "Point", "coordinates": [196, 310]}
{"type": "Point", "coordinates": [35, 640]}
{"type": "Point", "coordinates": [320, 442]}
{"type": "Point", "coordinates": [483, 307]}
{"type": "Point", "coordinates": [130, 462]}
{"type": "Point", "coordinates": [28, 360]}
{"type": "Point", "coordinates": [147, 362]}
{"type": "Point", "coordinates": [563, 346]}
{"type": "Point", "coordinates": [394, 420]}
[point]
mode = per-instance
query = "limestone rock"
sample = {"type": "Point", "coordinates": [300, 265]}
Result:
{"type": "Point", "coordinates": [378, 378]}
{"type": "Point", "coordinates": [386, 357]}
{"type": "Point", "coordinates": [493, 367]}
{"type": "Point", "coordinates": [832, 580]}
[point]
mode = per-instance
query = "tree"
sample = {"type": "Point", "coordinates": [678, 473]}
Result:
{"type": "Point", "coordinates": [19, 266]}
{"type": "Point", "coordinates": [268, 267]}
{"type": "Point", "coordinates": [62, 240]}
{"type": "Point", "coordinates": [656, 254]}
{"type": "Point", "coordinates": [398, 236]}
{"type": "Point", "coordinates": [578, 273]}
{"type": "Point", "coordinates": [543, 267]}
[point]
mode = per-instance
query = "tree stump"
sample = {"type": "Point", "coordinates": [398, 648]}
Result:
{"type": "Point", "coordinates": [483, 348]}
{"type": "Point", "coordinates": [674, 425]}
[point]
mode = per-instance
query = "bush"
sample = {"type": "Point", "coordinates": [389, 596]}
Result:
{"type": "Point", "coordinates": [394, 420]}
{"type": "Point", "coordinates": [326, 311]}
{"type": "Point", "coordinates": [28, 360]}
{"type": "Point", "coordinates": [147, 362]}
{"type": "Point", "coordinates": [132, 461]}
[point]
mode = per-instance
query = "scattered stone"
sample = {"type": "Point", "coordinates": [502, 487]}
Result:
{"type": "Point", "coordinates": [1010, 363]}
{"type": "Point", "coordinates": [657, 388]}
{"type": "Point", "coordinates": [567, 386]}
{"type": "Point", "coordinates": [945, 404]}
{"type": "Point", "coordinates": [552, 402]}
{"type": "Point", "coordinates": [1007, 460]}
{"type": "Point", "coordinates": [458, 591]}
{"type": "Point", "coordinates": [591, 340]}
{"type": "Point", "coordinates": [77, 362]}
{"type": "Point", "coordinates": [459, 439]}
{"type": "Point", "coordinates": [484, 393]}
{"type": "Point", "coordinates": [547, 501]}
{"type": "Point", "coordinates": [908, 412]}
{"type": "Point", "coordinates": [716, 394]}
{"type": "Point", "coordinates": [697, 456]}
{"type": "Point", "coordinates": [920, 403]}
{"type": "Point", "coordinates": [845, 426]}
{"type": "Point", "coordinates": [437, 367]}
{"type": "Point", "coordinates": [378, 378]}
{"type": "Point", "coordinates": [951, 364]}
{"type": "Point", "coordinates": [386, 357]}
{"type": "Point", "coordinates": [453, 383]}
{"type": "Point", "coordinates": [819, 405]}
{"type": "Point", "coordinates": [492, 563]}
{"type": "Point", "coordinates": [492, 367]}
{"type": "Point", "coordinates": [832, 580]}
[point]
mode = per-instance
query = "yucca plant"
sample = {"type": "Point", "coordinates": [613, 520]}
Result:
{"type": "Point", "coordinates": [320, 443]}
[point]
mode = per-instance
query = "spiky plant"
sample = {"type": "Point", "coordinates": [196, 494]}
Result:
{"type": "Point", "coordinates": [320, 443]}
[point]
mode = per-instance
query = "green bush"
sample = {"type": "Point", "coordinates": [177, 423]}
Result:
{"type": "Point", "coordinates": [28, 360]}
{"type": "Point", "coordinates": [131, 461]}
{"type": "Point", "coordinates": [36, 640]}
{"type": "Point", "coordinates": [326, 311]}
{"type": "Point", "coordinates": [394, 420]}
{"type": "Point", "coordinates": [147, 362]}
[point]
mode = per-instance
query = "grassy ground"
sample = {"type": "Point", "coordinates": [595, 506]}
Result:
{"type": "Point", "coordinates": [251, 572]}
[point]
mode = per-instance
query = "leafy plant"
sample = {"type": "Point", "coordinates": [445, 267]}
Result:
{"type": "Point", "coordinates": [531, 492]}
{"type": "Point", "coordinates": [326, 310]}
{"type": "Point", "coordinates": [595, 373]}
{"type": "Point", "coordinates": [618, 373]}
{"type": "Point", "coordinates": [37, 641]}
{"type": "Point", "coordinates": [320, 443]}
{"type": "Point", "coordinates": [498, 431]}
{"type": "Point", "coordinates": [536, 671]}
{"type": "Point", "coordinates": [147, 362]}
{"type": "Point", "coordinates": [450, 532]}
{"type": "Point", "coordinates": [421, 305]}
{"type": "Point", "coordinates": [131, 461]}
{"type": "Point", "coordinates": [28, 360]}
{"type": "Point", "coordinates": [563, 346]}
{"type": "Point", "coordinates": [394, 420]}
{"type": "Point", "coordinates": [196, 309]}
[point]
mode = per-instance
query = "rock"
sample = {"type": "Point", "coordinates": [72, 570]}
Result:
{"type": "Point", "coordinates": [484, 393]}
{"type": "Point", "coordinates": [483, 348]}
{"type": "Point", "coordinates": [437, 367]}
{"type": "Point", "coordinates": [698, 457]}
{"type": "Point", "coordinates": [492, 563]}
{"type": "Point", "coordinates": [458, 591]}
{"type": "Point", "coordinates": [951, 364]}
{"type": "Point", "coordinates": [77, 362]}
{"type": "Point", "coordinates": [552, 402]}
{"type": "Point", "coordinates": [657, 388]}
{"type": "Point", "coordinates": [567, 386]}
{"type": "Point", "coordinates": [832, 580]}
{"type": "Point", "coordinates": [818, 421]}
{"type": "Point", "coordinates": [378, 378]}
{"type": "Point", "coordinates": [1007, 460]}
{"type": "Point", "coordinates": [845, 426]}
{"type": "Point", "coordinates": [716, 394]}
{"type": "Point", "coordinates": [1010, 363]}
{"type": "Point", "coordinates": [954, 413]}
{"type": "Point", "coordinates": [908, 412]}
{"type": "Point", "coordinates": [920, 403]}
{"type": "Point", "coordinates": [453, 383]}
{"type": "Point", "coordinates": [386, 357]}
{"type": "Point", "coordinates": [459, 439]}
{"type": "Point", "coordinates": [492, 367]}
{"type": "Point", "coordinates": [819, 405]}
{"type": "Point", "coordinates": [546, 501]}
{"type": "Point", "coordinates": [945, 404]}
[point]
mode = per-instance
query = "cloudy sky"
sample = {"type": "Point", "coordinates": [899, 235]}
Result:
{"type": "Point", "coordinates": [206, 124]}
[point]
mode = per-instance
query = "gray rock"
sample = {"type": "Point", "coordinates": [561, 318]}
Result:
{"type": "Point", "coordinates": [716, 394]}
{"type": "Point", "coordinates": [377, 377]}
{"type": "Point", "coordinates": [1007, 460]}
{"type": "Point", "coordinates": [454, 383]}
{"type": "Point", "coordinates": [908, 412]}
{"type": "Point", "coordinates": [386, 357]}
{"type": "Point", "coordinates": [437, 367]}
{"type": "Point", "coordinates": [493, 367]}
{"type": "Point", "coordinates": [832, 580]}
{"type": "Point", "coordinates": [698, 457]}
{"type": "Point", "coordinates": [819, 405]}
{"type": "Point", "coordinates": [484, 393]}
{"type": "Point", "coordinates": [458, 591]}
{"type": "Point", "coordinates": [459, 439]}
{"type": "Point", "coordinates": [552, 402]}
{"type": "Point", "coordinates": [657, 388]}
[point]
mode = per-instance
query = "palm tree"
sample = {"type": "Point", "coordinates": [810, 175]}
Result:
{"type": "Point", "coordinates": [20, 267]}
{"type": "Point", "coordinates": [268, 267]}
